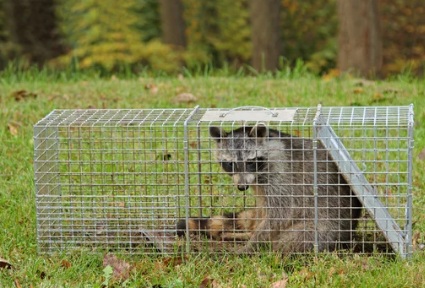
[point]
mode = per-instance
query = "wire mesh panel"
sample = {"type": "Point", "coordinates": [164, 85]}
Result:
{"type": "Point", "coordinates": [247, 180]}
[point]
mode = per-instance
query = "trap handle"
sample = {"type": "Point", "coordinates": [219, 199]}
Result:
{"type": "Point", "coordinates": [274, 114]}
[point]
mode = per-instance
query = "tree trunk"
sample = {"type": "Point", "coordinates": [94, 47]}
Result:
{"type": "Point", "coordinates": [264, 16]}
{"type": "Point", "coordinates": [172, 22]}
{"type": "Point", "coordinates": [359, 39]}
{"type": "Point", "coordinates": [32, 25]}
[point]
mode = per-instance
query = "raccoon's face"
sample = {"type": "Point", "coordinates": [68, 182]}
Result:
{"type": "Point", "coordinates": [242, 154]}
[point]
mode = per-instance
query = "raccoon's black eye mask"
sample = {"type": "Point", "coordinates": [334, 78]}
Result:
{"type": "Point", "coordinates": [251, 165]}
{"type": "Point", "coordinates": [228, 166]}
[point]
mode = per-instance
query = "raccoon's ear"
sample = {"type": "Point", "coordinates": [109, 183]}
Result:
{"type": "Point", "coordinates": [259, 131]}
{"type": "Point", "coordinates": [217, 133]}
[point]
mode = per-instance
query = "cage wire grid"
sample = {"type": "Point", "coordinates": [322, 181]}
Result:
{"type": "Point", "coordinates": [124, 180]}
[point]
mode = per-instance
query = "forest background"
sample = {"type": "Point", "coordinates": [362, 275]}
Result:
{"type": "Point", "coordinates": [240, 35]}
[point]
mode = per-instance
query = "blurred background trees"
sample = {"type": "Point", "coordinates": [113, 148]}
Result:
{"type": "Point", "coordinates": [367, 37]}
{"type": "Point", "coordinates": [265, 34]}
{"type": "Point", "coordinates": [359, 37]}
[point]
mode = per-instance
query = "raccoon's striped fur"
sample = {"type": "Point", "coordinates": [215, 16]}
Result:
{"type": "Point", "coordinates": [280, 169]}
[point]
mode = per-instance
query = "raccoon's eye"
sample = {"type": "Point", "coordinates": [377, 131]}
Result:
{"type": "Point", "coordinates": [255, 164]}
{"type": "Point", "coordinates": [228, 166]}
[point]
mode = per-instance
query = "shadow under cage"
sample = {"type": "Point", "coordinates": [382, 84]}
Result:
{"type": "Point", "coordinates": [244, 180]}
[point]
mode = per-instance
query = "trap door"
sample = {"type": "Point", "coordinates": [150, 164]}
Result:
{"type": "Point", "coordinates": [399, 238]}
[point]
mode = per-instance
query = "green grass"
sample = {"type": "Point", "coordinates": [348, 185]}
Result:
{"type": "Point", "coordinates": [46, 91]}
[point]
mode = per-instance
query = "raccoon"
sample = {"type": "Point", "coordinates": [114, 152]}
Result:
{"type": "Point", "coordinates": [279, 167]}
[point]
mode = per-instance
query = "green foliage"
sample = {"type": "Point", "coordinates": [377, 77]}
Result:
{"type": "Point", "coordinates": [8, 49]}
{"type": "Point", "coordinates": [103, 34]}
{"type": "Point", "coordinates": [149, 20]}
{"type": "Point", "coordinates": [309, 31]}
{"type": "Point", "coordinates": [403, 27]}
{"type": "Point", "coordinates": [115, 35]}
{"type": "Point", "coordinates": [233, 41]}
{"type": "Point", "coordinates": [200, 28]}
{"type": "Point", "coordinates": [218, 32]}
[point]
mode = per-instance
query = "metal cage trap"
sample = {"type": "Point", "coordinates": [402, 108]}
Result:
{"type": "Point", "coordinates": [250, 179]}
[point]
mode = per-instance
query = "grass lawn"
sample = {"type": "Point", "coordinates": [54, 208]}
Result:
{"type": "Point", "coordinates": [25, 99]}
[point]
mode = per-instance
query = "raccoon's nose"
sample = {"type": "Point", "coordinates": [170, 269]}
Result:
{"type": "Point", "coordinates": [243, 187]}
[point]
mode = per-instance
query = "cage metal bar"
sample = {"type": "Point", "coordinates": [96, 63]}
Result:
{"type": "Point", "coordinates": [409, 204]}
{"type": "Point", "coordinates": [315, 181]}
{"type": "Point", "coordinates": [186, 173]}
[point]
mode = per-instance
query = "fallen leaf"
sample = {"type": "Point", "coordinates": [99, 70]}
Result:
{"type": "Point", "coordinates": [206, 283]}
{"type": "Point", "coordinates": [297, 133]}
{"type": "Point", "coordinates": [66, 264]}
{"type": "Point", "coordinates": [121, 269]}
{"type": "Point", "coordinates": [421, 155]}
{"type": "Point", "coordinates": [333, 73]}
{"type": "Point", "coordinates": [415, 240]}
{"type": "Point", "coordinates": [152, 88]}
{"type": "Point", "coordinates": [379, 97]}
{"type": "Point", "coordinates": [185, 98]}
{"type": "Point", "coordinates": [173, 261]}
{"type": "Point", "coordinates": [358, 90]}
{"type": "Point", "coordinates": [5, 264]}
{"type": "Point", "coordinates": [13, 128]}
{"type": "Point", "coordinates": [17, 284]}
{"type": "Point", "coordinates": [20, 95]}
{"type": "Point", "coordinates": [280, 284]}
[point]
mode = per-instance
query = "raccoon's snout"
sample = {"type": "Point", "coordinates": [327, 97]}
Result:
{"type": "Point", "coordinates": [243, 187]}
{"type": "Point", "coordinates": [243, 181]}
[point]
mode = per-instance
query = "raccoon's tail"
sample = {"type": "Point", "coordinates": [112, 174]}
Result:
{"type": "Point", "coordinates": [230, 226]}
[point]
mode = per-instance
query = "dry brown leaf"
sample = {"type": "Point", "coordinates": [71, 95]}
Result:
{"type": "Point", "coordinates": [207, 282]}
{"type": "Point", "coordinates": [17, 284]}
{"type": "Point", "coordinates": [193, 145]}
{"type": "Point", "coordinates": [152, 88]}
{"type": "Point", "coordinates": [421, 155]}
{"type": "Point", "coordinates": [5, 264]}
{"type": "Point", "coordinates": [415, 240]}
{"type": "Point", "coordinates": [280, 284]}
{"type": "Point", "coordinates": [20, 95]}
{"type": "Point", "coordinates": [121, 269]}
{"type": "Point", "coordinates": [358, 90]}
{"type": "Point", "coordinates": [173, 261]}
{"type": "Point", "coordinates": [333, 73]}
{"type": "Point", "coordinates": [13, 128]}
{"type": "Point", "coordinates": [66, 264]}
{"type": "Point", "coordinates": [378, 97]}
{"type": "Point", "coordinates": [185, 98]}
